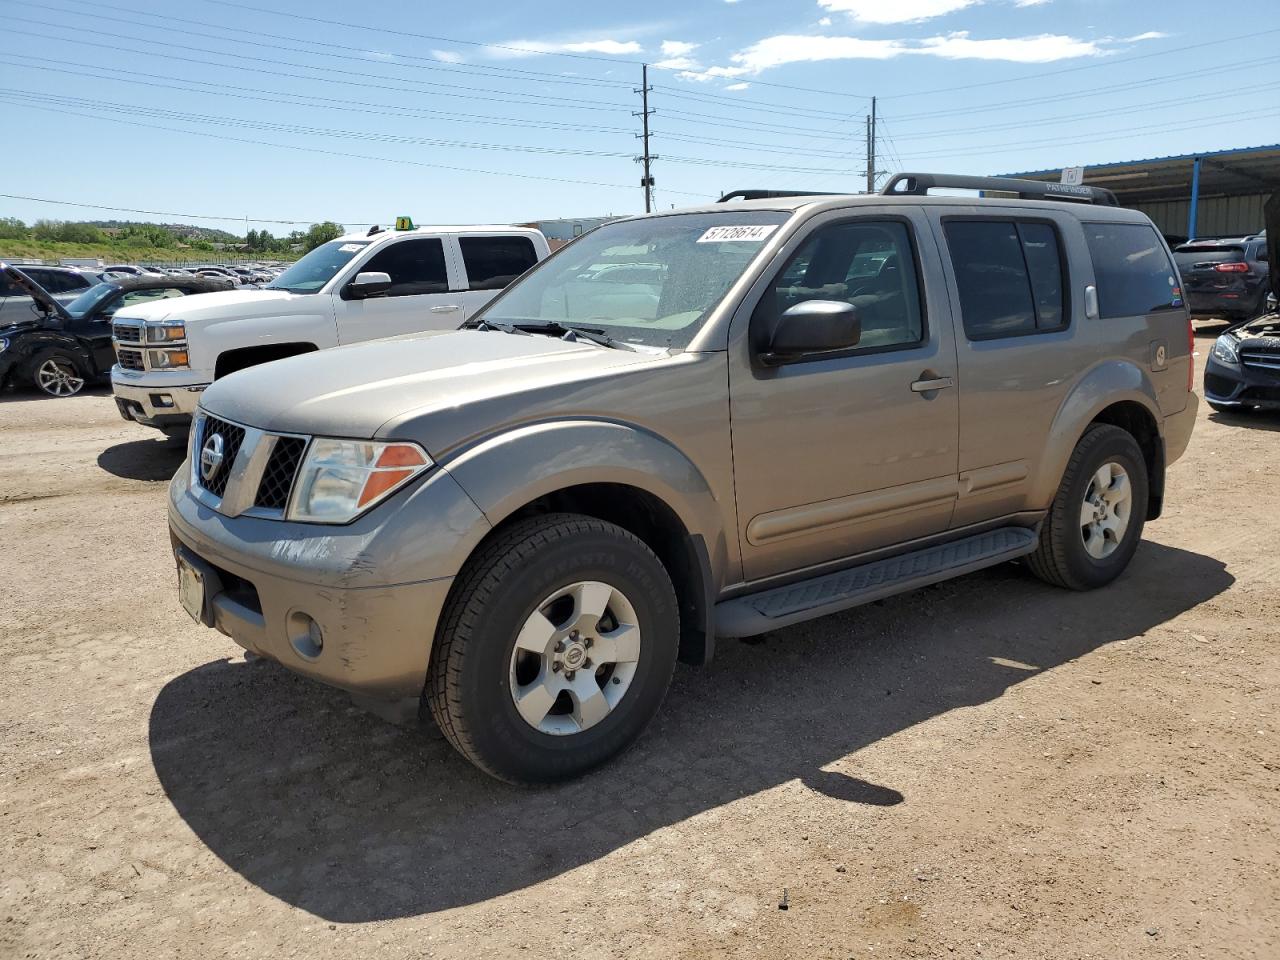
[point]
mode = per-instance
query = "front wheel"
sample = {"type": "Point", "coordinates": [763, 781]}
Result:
{"type": "Point", "coordinates": [555, 649]}
{"type": "Point", "coordinates": [1095, 522]}
{"type": "Point", "coordinates": [56, 373]}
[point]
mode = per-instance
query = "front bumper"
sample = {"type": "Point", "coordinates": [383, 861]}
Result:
{"type": "Point", "coordinates": [1231, 304]}
{"type": "Point", "coordinates": [1239, 385]}
{"type": "Point", "coordinates": [162, 405]}
{"type": "Point", "coordinates": [375, 587]}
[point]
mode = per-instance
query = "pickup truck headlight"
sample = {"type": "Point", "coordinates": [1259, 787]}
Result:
{"type": "Point", "coordinates": [341, 479]}
{"type": "Point", "coordinates": [1224, 349]}
{"type": "Point", "coordinates": [166, 332]}
{"type": "Point", "coordinates": [169, 359]}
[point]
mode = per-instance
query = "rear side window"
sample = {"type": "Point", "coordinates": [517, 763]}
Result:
{"type": "Point", "coordinates": [56, 281]}
{"type": "Point", "coordinates": [1009, 275]}
{"type": "Point", "coordinates": [493, 262]}
{"type": "Point", "coordinates": [1132, 269]}
{"type": "Point", "coordinates": [415, 267]}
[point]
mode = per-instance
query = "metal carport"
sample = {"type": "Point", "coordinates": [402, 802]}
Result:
{"type": "Point", "coordinates": [1211, 194]}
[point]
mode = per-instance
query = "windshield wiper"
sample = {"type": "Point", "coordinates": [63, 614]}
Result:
{"type": "Point", "coordinates": [593, 334]}
{"type": "Point", "coordinates": [492, 325]}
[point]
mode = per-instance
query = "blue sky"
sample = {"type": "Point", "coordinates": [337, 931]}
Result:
{"type": "Point", "coordinates": [454, 113]}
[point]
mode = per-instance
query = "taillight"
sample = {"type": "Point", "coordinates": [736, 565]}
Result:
{"type": "Point", "coordinates": [1232, 268]}
{"type": "Point", "coordinates": [1191, 356]}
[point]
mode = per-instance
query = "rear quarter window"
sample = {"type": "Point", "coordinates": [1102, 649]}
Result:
{"type": "Point", "coordinates": [1133, 273]}
{"type": "Point", "coordinates": [493, 262]}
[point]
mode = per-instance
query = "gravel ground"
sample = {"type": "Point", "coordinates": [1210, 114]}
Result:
{"type": "Point", "coordinates": [987, 768]}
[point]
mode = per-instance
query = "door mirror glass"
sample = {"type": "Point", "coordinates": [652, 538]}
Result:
{"type": "Point", "coordinates": [368, 284]}
{"type": "Point", "coordinates": [814, 327]}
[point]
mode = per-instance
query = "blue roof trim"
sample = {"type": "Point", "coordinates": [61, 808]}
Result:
{"type": "Point", "coordinates": [1135, 163]}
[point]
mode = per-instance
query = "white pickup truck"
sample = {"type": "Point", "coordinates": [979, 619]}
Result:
{"type": "Point", "coordinates": [359, 287]}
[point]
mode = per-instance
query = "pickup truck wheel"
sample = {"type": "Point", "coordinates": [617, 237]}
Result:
{"type": "Point", "coordinates": [57, 373]}
{"type": "Point", "coordinates": [1096, 519]}
{"type": "Point", "coordinates": [555, 650]}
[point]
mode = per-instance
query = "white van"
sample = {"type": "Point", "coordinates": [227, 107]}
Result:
{"type": "Point", "coordinates": [359, 287]}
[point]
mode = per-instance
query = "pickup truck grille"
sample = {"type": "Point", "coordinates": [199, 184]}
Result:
{"type": "Point", "coordinates": [232, 437]}
{"type": "Point", "coordinates": [127, 332]}
{"type": "Point", "coordinates": [130, 359]}
{"type": "Point", "coordinates": [277, 477]}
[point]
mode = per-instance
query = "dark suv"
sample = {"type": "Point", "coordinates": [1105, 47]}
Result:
{"type": "Point", "coordinates": [1224, 278]}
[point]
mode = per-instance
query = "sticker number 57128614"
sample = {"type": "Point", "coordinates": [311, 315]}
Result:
{"type": "Point", "coordinates": [748, 233]}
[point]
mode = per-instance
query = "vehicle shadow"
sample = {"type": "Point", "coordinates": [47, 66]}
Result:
{"type": "Point", "coordinates": [1252, 419]}
{"type": "Point", "coordinates": [151, 459]}
{"type": "Point", "coordinates": [25, 392]}
{"type": "Point", "coordinates": [354, 820]}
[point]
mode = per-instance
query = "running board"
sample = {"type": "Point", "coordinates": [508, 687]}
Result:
{"type": "Point", "coordinates": [782, 606]}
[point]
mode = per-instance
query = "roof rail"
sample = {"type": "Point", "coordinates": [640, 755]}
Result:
{"type": "Point", "coordinates": [919, 185]}
{"type": "Point", "coordinates": [771, 194]}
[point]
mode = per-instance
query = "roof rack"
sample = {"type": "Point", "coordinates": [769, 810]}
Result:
{"type": "Point", "coordinates": [771, 194]}
{"type": "Point", "coordinates": [919, 185]}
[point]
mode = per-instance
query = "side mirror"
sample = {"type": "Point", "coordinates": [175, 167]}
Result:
{"type": "Point", "coordinates": [813, 327]}
{"type": "Point", "coordinates": [365, 285]}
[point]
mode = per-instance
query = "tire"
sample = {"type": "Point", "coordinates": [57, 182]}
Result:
{"type": "Point", "coordinates": [1069, 554]}
{"type": "Point", "coordinates": [537, 583]}
{"type": "Point", "coordinates": [56, 372]}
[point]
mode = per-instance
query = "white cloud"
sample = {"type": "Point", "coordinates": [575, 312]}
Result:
{"type": "Point", "coordinates": [1139, 37]}
{"type": "Point", "coordinates": [824, 22]}
{"type": "Point", "coordinates": [677, 63]}
{"type": "Point", "coordinates": [1045, 48]}
{"type": "Point", "coordinates": [899, 11]}
{"type": "Point", "coordinates": [783, 49]}
{"type": "Point", "coordinates": [678, 48]}
{"type": "Point", "coordinates": [737, 86]}
{"type": "Point", "coordinates": [525, 48]}
{"type": "Point", "coordinates": [448, 56]}
{"type": "Point", "coordinates": [732, 1]}
{"type": "Point", "coordinates": [1030, 3]}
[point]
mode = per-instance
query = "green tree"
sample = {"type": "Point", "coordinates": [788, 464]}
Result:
{"type": "Point", "coordinates": [321, 233]}
{"type": "Point", "coordinates": [12, 228]}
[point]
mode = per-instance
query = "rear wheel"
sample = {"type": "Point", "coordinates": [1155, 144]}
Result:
{"type": "Point", "coordinates": [1096, 519]}
{"type": "Point", "coordinates": [555, 650]}
{"type": "Point", "coordinates": [57, 373]}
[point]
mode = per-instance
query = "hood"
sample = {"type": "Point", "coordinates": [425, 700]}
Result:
{"type": "Point", "coordinates": [1271, 220]}
{"type": "Point", "coordinates": [217, 306]}
{"type": "Point", "coordinates": [36, 292]}
{"type": "Point", "coordinates": [365, 390]}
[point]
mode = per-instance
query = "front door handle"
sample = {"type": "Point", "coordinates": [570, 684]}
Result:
{"type": "Point", "coordinates": [927, 386]}
{"type": "Point", "coordinates": [446, 308]}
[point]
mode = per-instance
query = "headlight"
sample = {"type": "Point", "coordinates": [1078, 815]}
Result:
{"type": "Point", "coordinates": [4, 344]}
{"type": "Point", "coordinates": [1224, 349]}
{"type": "Point", "coordinates": [168, 359]}
{"type": "Point", "coordinates": [341, 479]}
{"type": "Point", "coordinates": [166, 332]}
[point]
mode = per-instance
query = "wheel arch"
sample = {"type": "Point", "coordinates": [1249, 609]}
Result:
{"type": "Point", "coordinates": [620, 474]}
{"type": "Point", "coordinates": [1118, 393]}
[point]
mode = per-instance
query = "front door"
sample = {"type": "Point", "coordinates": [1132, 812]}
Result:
{"type": "Point", "coordinates": [836, 455]}
{"type": "Point", "coordinates": [420, 297]}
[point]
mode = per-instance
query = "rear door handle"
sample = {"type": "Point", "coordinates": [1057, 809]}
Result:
{"type": "Point", "coordinates": [446, 308]}
{"type": "Point", "coordinates": [925, 386]}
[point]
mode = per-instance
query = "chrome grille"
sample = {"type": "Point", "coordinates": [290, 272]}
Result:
{"type": "Point", "coordinates": [278, 476]}
{"type": "Point", "coordinates": [232, 437]}
{"type": "Point", "coordinates": [130, 359]}
{"type": "Point", "coordinates": [127, 332]}
{"type": "Point", "coordinates": [1260, 360]}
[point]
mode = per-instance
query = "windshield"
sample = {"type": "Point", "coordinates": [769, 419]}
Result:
{"type": "Point", "coordinates": [85, 303]}
{"type": "Point", "coordinates": [651, 281]}
{"type": "Point", "coordinates": [318, 267]}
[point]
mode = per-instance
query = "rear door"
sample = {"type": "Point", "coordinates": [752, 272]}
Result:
{"type": "Point", "coordinates": [1018, 343]}
{"type": "Point", "coordinates": [420, 297]}
{"type": "Point", "coordinates": [489, 263]}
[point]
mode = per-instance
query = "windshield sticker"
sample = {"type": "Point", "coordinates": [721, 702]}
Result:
{"type": "Point", "coordinates": [350, 247]}
{"type": "Point", "coordinates": [748, 233]}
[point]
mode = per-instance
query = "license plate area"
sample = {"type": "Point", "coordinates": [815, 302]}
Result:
{"type": "Point", "coordinates": [191, 589]}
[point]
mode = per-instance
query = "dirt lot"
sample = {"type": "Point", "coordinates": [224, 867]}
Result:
{"type": "Point", "coordinates": [989, 768]}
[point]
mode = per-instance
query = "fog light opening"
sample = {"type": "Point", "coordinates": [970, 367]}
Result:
{"type": "Point", "coordinates": [305, 636]}
{"type": "Point", "coordinates": [161, 400]}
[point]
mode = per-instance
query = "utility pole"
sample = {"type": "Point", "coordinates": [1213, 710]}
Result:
{"type": "Point", "coordinates": [872, 172]}
{"type": "Point", "coordinates": [646, 181]}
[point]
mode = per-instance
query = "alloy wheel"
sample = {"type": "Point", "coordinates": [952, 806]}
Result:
{"type": "Point", "coordinates": [1104, 514]}
{"type": "Point", "coordinates": [58, 378]}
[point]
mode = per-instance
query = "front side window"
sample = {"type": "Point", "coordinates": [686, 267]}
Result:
{"type": "Point", "coordinates": [415, 267]}
{"type": "Point", "coordinates": [1008, 275]}
{"type": "Point", "coordinates": [317, 268]}
{"type": "Point", "coordinates": [1132, 270]}
{"type": "Point", "coordinates": [866, 263]}
{"type": "Point", "coordinates": [493, 262]}
{"type": "Point", "coordinates": [650, 281]}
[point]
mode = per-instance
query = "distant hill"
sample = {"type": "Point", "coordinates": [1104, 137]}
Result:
{"type": "Point", "coordinates": [183, 231]}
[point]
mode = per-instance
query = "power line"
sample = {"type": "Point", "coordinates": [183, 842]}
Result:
{"type": "Point", "coordinates": [165, 213]}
